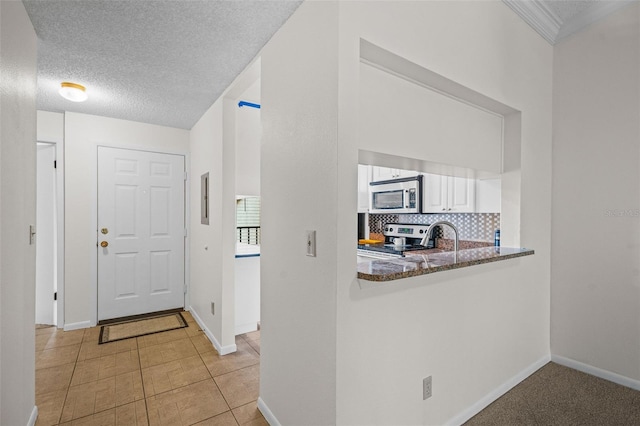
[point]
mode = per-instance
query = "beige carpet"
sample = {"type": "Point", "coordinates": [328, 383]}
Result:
{"type": "Point", "coordinates": [141, 327]}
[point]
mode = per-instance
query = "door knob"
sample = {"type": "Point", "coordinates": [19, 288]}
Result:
{"type": "Point", "coordinates": [105, 231]}
{"type": "Point", "coordinates": [104, 244]}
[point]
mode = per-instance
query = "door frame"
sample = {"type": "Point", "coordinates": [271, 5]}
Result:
{"type": "Point", "coordinates": [59, 240]}
{"type": "Point", "coordinates": [93, 231]}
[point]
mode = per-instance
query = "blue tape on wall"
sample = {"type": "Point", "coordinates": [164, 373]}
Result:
{"type": "Point", "coordinates": [249, 104]}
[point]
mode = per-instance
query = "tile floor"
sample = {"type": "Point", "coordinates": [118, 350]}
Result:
{"type": "Point", "coordinates": [170, 378]}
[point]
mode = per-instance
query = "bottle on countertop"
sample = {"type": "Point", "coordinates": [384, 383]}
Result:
{"type": "Point", "coordinates": [496, 238]}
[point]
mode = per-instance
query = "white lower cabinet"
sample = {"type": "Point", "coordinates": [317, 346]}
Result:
{"type": "Point", "coordinates": [448, 194]}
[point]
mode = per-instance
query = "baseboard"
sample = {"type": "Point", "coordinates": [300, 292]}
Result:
{"type": "Point", "coordinates": [246, 328]}
{"type": "Point", "coordinates": [34, 416]}
{"type": "Point", "coordinates": [77, 325]}
{"type": "Point", "coordinates": [498, 392]}
{"type": "Point", "coordinates": [598, 372]}
{"type": "Point", "coordinates": [222, 350]}
{"type": "Point", "coordinates": [268, 415]}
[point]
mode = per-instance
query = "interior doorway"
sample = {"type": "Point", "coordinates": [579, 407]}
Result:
{"type": "Point", "coordinates": [46, 235]}
{"type": "Point", "coordinates": [248, 131]}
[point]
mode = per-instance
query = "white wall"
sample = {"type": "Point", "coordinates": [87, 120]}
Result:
{"type": "Point", "coordinates": [396, 114]}
{"type": "Point", "coordinates": [83, 133]}
{"type": "Point", "coordinates": [298, 189]}
{"type": "Point", "coordinates": [18, 52]}
{"type": "Point", "coordinates": [379, 343]}
{"type": "Point", "coordinates": [473, 330]}
{"type": "Point", "coordinates": [247, 294]}
{"type": "Point", "coordinates": [595, 316]}
{"type": "Point", "coordinates": [207, 251]}
{"type": "Point", "coordinates": [248, 133]}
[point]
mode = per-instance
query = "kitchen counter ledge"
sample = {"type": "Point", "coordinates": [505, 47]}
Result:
{"type": "Point", "coordinates": [428, 262]}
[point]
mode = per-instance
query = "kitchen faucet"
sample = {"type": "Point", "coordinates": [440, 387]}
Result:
{"type": "Point", "coordinates": [425, 239]}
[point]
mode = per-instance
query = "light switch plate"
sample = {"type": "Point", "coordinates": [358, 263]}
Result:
{"type": "Point", "coordinates": [311, 243]}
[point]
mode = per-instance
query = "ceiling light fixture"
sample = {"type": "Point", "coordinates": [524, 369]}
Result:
{"type": "Point", "coordinates": [73, 92]}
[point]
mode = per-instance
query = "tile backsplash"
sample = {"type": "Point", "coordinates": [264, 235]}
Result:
{"type": "Point", "coordinates": [471, 226]}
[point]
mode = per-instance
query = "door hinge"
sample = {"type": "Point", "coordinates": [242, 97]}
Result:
{"type": "Point", "coordinates": [185, 175]}
{"type": "Point", "coordinates": [55, 296]}
{"type": "Point", "coordinates": [185, 289]}
{"type": "Point", "coordinates": [55, 164]}
{"type": "Point", "coordinates": [185, 232]}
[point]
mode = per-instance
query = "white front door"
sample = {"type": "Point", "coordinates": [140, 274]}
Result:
{"type": "Point", "coordinates": [141, 225]}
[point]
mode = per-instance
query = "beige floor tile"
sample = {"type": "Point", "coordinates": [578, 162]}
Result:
{"type": "Point", "coordinates": [240, 387]}
{"type": "Point", "coordinates": [202, 343]}
{"type": "Point", "coordinates": [86, 371]}
{"type": "Point", "coordinates": [253, 335]}
{"type": "Point", "coordinates": [133, 414]}
{"type": "Point", "coordinates": [90, 350]}
{"type": "Point", "coordinates": [193, 330]}
{"type": "Point", "coordinates": [187, 405]}
{"type": "Point", "coordinates": [224, 419]}
{"type": "Point", "coordinates": [106, 366]}
{"type": "Point", "coordinates": [248, 413]}
{"type": "Point", "coordinates": [166, 352]}
{"type": "Point", "coordinates": [173, 375]}
{"type": "Point", "coordinates": [164, 337]}
{"type": "Point", "coordinates": [50, 407]}
{"type": "Point", "coordinates": [257, 422]}
{"type": "Point", "coordinates": [255, 344]}
{"type": "Point", "coordinates": [63, 338]}
{"type": "Point", "coordinates": [57, 356]}
{"type": "Point", "coordinates": [53, 378]}
{"type": "Point", "coordinates": [94, 397]}
{"type": "Point", "coordinates": [119, 363]}
{"type": "Point", "coordinates": [219, 365]}
{"type": "Point", "coordinates": [188, 317]}
{"type": "Point", "coordinates": [91, 334]}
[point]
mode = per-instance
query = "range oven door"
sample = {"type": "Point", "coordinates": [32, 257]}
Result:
{"type": "Point", "coordinates": [396, 196]}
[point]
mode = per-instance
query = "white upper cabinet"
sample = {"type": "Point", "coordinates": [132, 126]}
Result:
{"type": "Point", "coordinates": [386, 173]}
{"type": "Point", "coordinates": [447, 194]}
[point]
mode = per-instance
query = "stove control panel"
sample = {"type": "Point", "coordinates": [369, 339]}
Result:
{"type": "Point", "coordinates": [404, 230]}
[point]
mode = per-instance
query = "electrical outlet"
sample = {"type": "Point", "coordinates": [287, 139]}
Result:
{"type": "Point", "coordinates": [213, 311]}
{"type": "Point", "coordinates": [426, 388]}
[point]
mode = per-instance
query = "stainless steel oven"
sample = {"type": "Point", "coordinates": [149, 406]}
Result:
{"type": "Point", "coordinates": [403, 195]}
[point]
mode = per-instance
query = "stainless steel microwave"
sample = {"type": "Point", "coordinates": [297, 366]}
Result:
{"type": "Point", "coordinates": [403, 195]}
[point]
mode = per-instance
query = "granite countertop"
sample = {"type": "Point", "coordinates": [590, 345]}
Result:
{"type": "Point", "coordinates": [435, 260]}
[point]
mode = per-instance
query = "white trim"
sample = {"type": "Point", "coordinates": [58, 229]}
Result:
{"type": "Point", "coordinates": [538, 16]}
{"type": "Point", "coordinates": [59, 158]}
{"type": "Point", "coordinates": [481, 404]}
{"type": "Point", "coordinates": [93, 287]}
{"type": "Point", "coordinates": [222, 350]}
{"type": "Point", "coordinates": [267, 414]}
{"type": "Point", "coordinates": [597, 372]}
{"type": "Point", "coordinates": [77, 325]}
{"type": "Point", "coordinates": [553, 29]}
{"type": "Point", "coordinates": [34, 416]}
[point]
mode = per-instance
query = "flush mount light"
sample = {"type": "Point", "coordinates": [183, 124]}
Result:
{"type": "Point", "coordinates": [73, 92]}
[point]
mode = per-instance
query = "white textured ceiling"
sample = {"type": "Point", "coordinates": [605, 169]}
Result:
{"type": "Point", "coordinates": [159, 62]}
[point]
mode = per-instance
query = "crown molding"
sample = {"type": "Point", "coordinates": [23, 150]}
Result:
{"type": "Point", "coordinates": [538, 16]}
{"type": "Point", "coordinates": [541, 18]}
